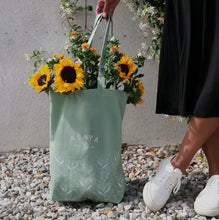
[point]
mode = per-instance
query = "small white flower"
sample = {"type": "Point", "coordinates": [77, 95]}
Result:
{"type": "Point", "coordinates": [28, 56]}
{"type": "Point", "coordinates": [143, 45]}
{"type": "Point", "coordinates": [67, 4]}
{"type": "Point", "coordinates": [143, 26]}
{"type": "Point", "coordinates": [68, 11]}
{"type": "Point", "coordinates": [149, 57]}
{"type": "Point", "coordinates": [161, 20]}
{"type": "Point", "coordinates": [154, 32]}
{"type": "Point", "coordinates": [49, 60]}
{"type": "Point", "coordinates": [139, 53]}
{"type": "Point", "coordinates": [180, 119]}
{"type": "Point", "coordinates": [113, 39]}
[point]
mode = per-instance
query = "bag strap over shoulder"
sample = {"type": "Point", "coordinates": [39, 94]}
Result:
{"type": "Point", "coordinates": [101, 78]}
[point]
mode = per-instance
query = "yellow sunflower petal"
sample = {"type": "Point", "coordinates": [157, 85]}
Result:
{"type": "Point", "coordinates": [140, 101]}
{"type": "Point", "coordinates": [141, 88]}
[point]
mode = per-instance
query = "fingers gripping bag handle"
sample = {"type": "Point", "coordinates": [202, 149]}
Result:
{"type": "Point", "coordinates": [99, 17]}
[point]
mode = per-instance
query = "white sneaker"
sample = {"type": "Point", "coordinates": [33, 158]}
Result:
{"type": "Point", "coordinates": [158, 190]}
{"type": "Point", "coordinates": [207, 202]}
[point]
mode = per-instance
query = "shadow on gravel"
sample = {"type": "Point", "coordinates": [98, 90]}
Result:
{"type": "Point", "coordinates": [192, 184]}
{"type": "Point", "coordinates": [133, 191]}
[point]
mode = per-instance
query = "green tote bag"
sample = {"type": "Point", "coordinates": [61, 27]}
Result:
{"type": "Point", "coordinates": [85, 141]}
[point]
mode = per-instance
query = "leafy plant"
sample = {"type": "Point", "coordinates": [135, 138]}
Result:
{"type": "Point", "coordinates": [80, 69]}
{"type": "Point", "coordinates": [151, 16]}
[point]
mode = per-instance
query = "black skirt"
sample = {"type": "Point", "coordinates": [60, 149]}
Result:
{"type": "Point", "coordinates": [188, 83]}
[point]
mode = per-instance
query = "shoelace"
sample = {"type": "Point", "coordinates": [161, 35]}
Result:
{"type": "Point", "coordinates": [171, 186]}
{"type": "Point", "coordinates": [177, 187]}
{"type": "Point", "coordinates": [169, 182]}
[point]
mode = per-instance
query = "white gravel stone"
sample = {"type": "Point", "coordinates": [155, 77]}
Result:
{"type": "Point", "coordinates": [61, 209]}
{"type": "Point", "coordinates": [111, 214]}
{"type": "Point", "coordinates": [100, 205]}
{"type": "Point", "coordinates": [202, 218]}
{"type": "Point", "coordinates": [120, 207]}
{"type": "Point", "coordinates": [127, 207]}
{"type": "Point", "coordinates": [24, 193]}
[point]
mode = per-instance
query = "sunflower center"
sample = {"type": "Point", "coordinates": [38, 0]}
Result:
{"type": "Point", "coordinates": [42, 80]}
{"type": "Point", "coordinates": [68, 74]}
{"type": "Point", "coordinates": [124, 68]}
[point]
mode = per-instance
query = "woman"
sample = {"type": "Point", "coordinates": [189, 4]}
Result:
{"type": "Point", "coordinates": [188, 85]}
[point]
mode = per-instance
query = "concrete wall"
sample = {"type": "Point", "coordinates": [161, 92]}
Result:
{"type": "Point", "coordinates": [24, 114]}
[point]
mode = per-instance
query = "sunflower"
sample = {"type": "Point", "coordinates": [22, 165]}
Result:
{"type": "Point", "coordinates": [125, 67]}
{"type": "Point", "coordinates": [69, 76]}
{"type": "Point", "coordinates": [141, 89]}
{"type": "Point", "coordinates": [41, 80]}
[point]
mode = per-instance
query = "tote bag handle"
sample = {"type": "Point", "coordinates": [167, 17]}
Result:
{"type": "Point", "coordinates": [101, 78]}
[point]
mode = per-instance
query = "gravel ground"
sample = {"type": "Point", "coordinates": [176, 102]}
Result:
{"type": "Point", "coordinates": [24, 188]}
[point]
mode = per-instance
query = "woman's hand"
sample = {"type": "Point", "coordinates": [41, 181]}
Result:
{"type": "Point", "coordinates": [106, 7]}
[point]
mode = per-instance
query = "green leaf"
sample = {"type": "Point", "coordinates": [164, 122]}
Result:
{"type": "Point", "coordinates": [90, 8]}
{"type": "Point", "coordinates": [35, 63]}
{"type": "Point", "coordinates": [139, 76]}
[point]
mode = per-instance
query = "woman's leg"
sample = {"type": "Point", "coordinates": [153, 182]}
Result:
{"type": "Point", "coordinates": [198, 133]}
{"type": "Point", "coordinates": [207, 202]}
{"type": "Point", "coordinates": [157, 191]}
{"type": "Point", "coordinates": [211, 150]}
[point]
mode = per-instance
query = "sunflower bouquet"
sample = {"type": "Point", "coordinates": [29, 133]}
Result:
{"type": "Point", "coordinates": [79, 71]}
